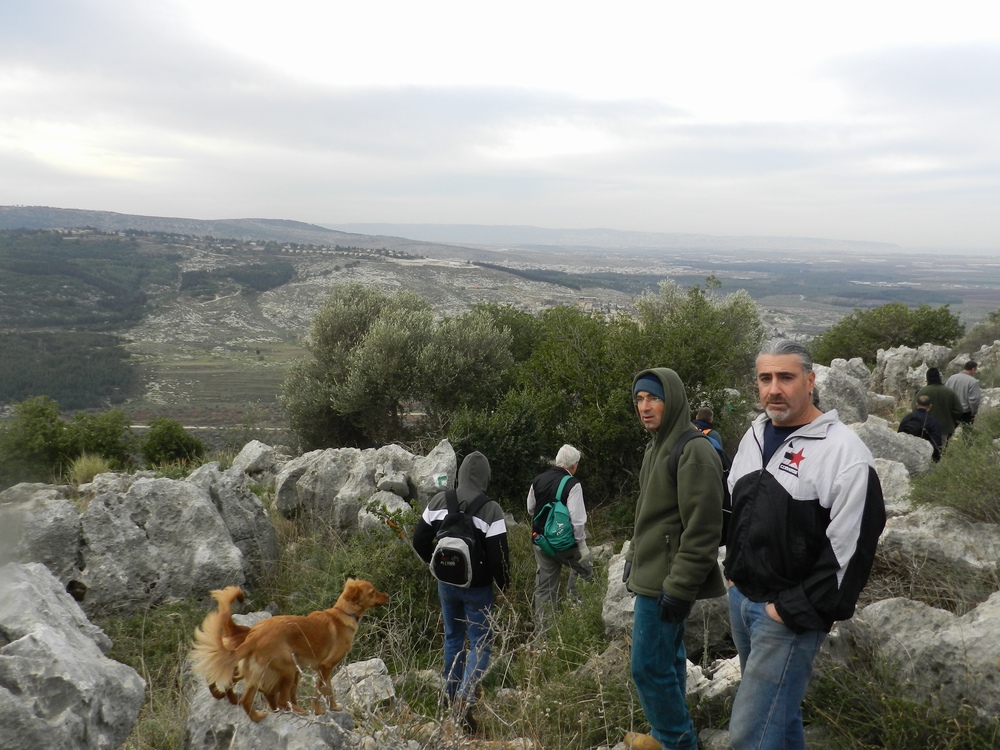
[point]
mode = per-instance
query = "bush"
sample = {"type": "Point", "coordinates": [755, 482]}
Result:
{"type": "Point", "coordinates": [966, 478]}
{"type": "Point", "coordinates": [166, 441]}
{"type": "Point", "coordinates": [983, 333]}
{"type": "Point", "coordinates": [106, 435]}
{"type": "Point", "coordinates": [864, 332]}
{"type": "Point", "coordinates": [32, 444]}
{"type": "Point", "coordinates": [84, 468]}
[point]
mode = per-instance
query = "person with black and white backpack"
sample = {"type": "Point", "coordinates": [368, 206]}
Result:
{"type": "Point", "coordinates": [466, 609]}
{"type": "Point", "coordinates": [559, 484]}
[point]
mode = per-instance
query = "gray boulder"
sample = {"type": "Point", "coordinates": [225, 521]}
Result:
{"type": "Point", "coordinates": [943, 538]}
{"type": "Point", "coordinates": [381, 507]}
{"type": "Point", "coordinates": [855, 368]}
{"type": "Point", "coordinates": [365, 685]}
{"type": "Point", "coordinates": [884, 442]}
{"type": "Point", "coordinates": [57, 688]}
{"type": "Point", "coordinates": [941, 658]}
{"type": "Point", "coordinates": [244, 515]}
{"type": "Point", "coordinates": [434, 472]}
{"type": "Point", "coordinates": [843, 392]}
{"type": "Point", "coordinates": [213, 724]}
{"type": "Point", "coordinates": [258, 458]}
{"type": "Point", "coordinates": [894, 372]}
{"type": "Point", "coordinates": [895, 481]}
{"type": "Point", "coordinates": [163, 540]}
{"type": "Point", "coordinates": [39, 524]}
{"type": "Point", "coordinates": [329, 484]}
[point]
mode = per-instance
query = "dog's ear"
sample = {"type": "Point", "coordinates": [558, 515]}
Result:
{"type": "Point", "coordinates": [352, 589]}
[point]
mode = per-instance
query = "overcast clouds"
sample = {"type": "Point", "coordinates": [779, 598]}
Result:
{"type": "Point", "coordinates": [852, 120]}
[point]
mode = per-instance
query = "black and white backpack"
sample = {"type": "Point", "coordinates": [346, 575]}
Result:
{"type": "Point", "coordinates": [459, 552]}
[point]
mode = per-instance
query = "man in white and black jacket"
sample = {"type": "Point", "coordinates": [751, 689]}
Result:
{"type": "Point", "coordinates": [807, 515]}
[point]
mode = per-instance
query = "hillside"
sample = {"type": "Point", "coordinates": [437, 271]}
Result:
{"type": "Point", "coordinates": [213, 312]}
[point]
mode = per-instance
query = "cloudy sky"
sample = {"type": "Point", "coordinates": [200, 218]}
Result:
{"type": "Point", "coordinates": [873, 120]}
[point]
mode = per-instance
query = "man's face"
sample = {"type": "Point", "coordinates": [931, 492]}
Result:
{"type": "Point", "coordinates": [650, 410]}
{"type": "Point", "coordinates": [784, 389]}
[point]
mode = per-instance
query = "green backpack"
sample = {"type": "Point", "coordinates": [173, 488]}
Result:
{"type": "Point", "coordinates": [552, 528]}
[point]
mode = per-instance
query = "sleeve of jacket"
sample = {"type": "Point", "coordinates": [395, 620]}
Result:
{"type": "Point", "coordinates": [498, 559]}
{"type": "Point", "coordinates": [699, 496]}
{"type": "Point", "coordinates": [423, 540]}
{"type": "Point", "coordinates": [975, 396]}
{"type": "Point", "coordinates": [830, 592]}
{"type": "Point", "coordinates": [956, 409]}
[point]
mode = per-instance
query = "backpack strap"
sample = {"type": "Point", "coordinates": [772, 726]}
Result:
{"type": "Point", "coordinates": [675, 453]}
{"type": "Point", "coordinates": [562, 484]}
{"type": "Point", "coordinates": [476, 504]}
{"type": "Point", "coordinates": [451, 497]}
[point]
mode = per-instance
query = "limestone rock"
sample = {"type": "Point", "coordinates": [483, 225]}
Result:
{"type": "Point", "coordinates": [57, 687]}
{"type": "Point", "coordinates": [163, 540]}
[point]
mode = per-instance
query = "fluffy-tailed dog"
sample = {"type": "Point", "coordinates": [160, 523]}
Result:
{"type": "Point", "coordinates": [270, 655]}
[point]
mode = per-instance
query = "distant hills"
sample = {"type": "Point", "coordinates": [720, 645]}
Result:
{"type": "Point", "coordinates": [413, 237]}
{"type": "Point", "coordinates": [604, 239]}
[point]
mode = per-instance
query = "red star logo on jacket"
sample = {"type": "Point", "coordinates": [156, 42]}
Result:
{"type": "Point", "coordinates": [796, 458]}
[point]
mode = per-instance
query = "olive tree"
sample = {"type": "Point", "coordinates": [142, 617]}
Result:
{"type": "Point", "coordinates": [380, 368]}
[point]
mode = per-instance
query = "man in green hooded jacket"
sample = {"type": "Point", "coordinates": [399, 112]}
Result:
{"type": "Point", "coordinates": [673, 557]}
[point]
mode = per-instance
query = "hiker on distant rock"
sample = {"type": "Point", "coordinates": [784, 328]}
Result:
{"type": "Point", "coordinates": [921, 424]}
{"type": "Point", "coordinates": [966, 387]}
{"type": "Point", "coordinates": [947, 407]}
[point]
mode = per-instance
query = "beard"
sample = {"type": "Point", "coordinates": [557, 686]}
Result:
{"type": "Point", "coordinates": [777, 412]}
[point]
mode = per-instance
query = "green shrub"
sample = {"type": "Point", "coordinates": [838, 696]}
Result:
{"type": "Point", "coordinates": [32, 444]}
{"type": "Point", "coordinates": [166, 441]}
{"type": "Point", "coordinates": [864, 332]}
{"type": "Point", "coordinates": [84, 468]}
{"type": "Point", "coordinates": [106, 435]}
{"type": "Point", "coordinates": [966, 478]}
{"type": "Point", "coordinates": [983, 333]}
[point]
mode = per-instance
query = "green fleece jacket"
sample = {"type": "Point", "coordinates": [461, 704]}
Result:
{"type": "Point", "coordinates": [675, 545]}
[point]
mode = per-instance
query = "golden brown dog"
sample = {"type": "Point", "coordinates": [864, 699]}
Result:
{"type": "Point", "coordinates": [271, 654]}
{"type": "Point", "coordinates": [233, 635]}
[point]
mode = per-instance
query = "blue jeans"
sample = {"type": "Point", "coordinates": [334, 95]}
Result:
{"type": "Point", "coordinates": [776, 664]}
{"type": "Point", "coordinates": [466, 613]}
{"type": "Point", "coordinates": [659, 670]}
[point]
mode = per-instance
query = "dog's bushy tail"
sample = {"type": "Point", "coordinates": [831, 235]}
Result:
{"type": "Point", "coordinates": [213, 655]}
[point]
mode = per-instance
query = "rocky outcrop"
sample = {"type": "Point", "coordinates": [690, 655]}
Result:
{"type": "Point", "coordinates": [884, 442]}
{"type": "Point", "coordinates": [58, 689]}
{"type": "Point", "coordinates": [39, 524]}
{"type": "Point", "coordinates": [162, 540]}
{"type": "Point", "coordinates": [335, 484]}
{"type": "Point", "coordinates": [901, 371]}
{"type": "Point", "coordinates": [939, 657]}
{"type": "Point", "coordinates": [244, 515]}
{"type": "Point", "coordinates": [840, 390]}
{"type": "Point", "coordinates": [944, 539]}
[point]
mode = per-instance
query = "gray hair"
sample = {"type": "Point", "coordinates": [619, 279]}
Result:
{"type": "Point", "coordinates": [567, 457]}
{"type": "Point", "coordinates": [782, 347]}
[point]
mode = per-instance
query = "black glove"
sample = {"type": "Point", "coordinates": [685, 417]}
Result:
{"type": "Point", "coordinates": [673, 610]}
{"type": "Point", "coordinates": [628, 569]}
